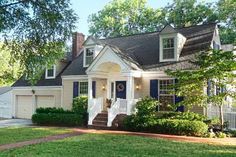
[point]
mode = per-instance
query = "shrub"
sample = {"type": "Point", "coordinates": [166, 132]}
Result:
{"type": "Point", "coordinates": [220, 135]}
{"type": "Point", "coordinates": [80, 106]}
{"type": "Point", "coordinates": [52, 110]}
{"type": "Point", "coordinates": [182, 116]}
{"type": "Point", "coordinates": [57, 119]}
{"type": "Point", "coordinates": [169, 126]}
{"type": "Point", "coordinates": [181, 127]}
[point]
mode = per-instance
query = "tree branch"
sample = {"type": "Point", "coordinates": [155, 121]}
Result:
{"type": "Point", "coordinates": [14, 3]}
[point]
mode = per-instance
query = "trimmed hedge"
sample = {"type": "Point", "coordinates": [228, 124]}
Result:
{"type": "Point", "coordinates": [181, 127]}
{"type": "Point", "coordinates": [168, 126]}
{"type": "Point", "coordinates": [53, 110]}
{"type": "Point", "coordinates": [181, 116]}
{"type": "Point", "coordinates": [58, 119]}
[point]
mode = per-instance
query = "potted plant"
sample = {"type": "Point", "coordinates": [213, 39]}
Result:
{"type": "Point", "coordinates": [108, 102]}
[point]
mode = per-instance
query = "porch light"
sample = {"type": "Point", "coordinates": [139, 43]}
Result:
{"type": "Point", "coordinates": [137, 87]}
{"type": "Point", "coordinates": [103, 87]}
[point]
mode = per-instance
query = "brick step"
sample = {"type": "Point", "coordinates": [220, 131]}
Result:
{"type": "Point", "coordinates": [100, 127]}
{"type": "Point", "coordinates": [101, 118]}
{"type": "Point", "coordinates": [98, 122]}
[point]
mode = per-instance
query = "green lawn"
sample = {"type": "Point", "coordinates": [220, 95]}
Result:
{"type": "Point", "coordinates": [16, 134]}
{"type": "Point", "coordinates": [119, 145]}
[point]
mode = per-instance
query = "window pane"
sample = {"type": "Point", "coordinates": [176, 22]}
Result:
{"type": "Point", "coordinates": [168, 48]}
{"type": "Point", "coordinates": [89, 56]}
{"type": "Point", "coordinates": [83, 88]}
{"type": "Point", "coordinates": [168, 53]}
{"type": "Point", "coordinates": [50, 72]}
{"type": "Point", "coordinates": [89, 60]}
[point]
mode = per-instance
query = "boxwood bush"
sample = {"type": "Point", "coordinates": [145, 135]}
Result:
{"type": "Point", "coordinates": [57, 119]}
{"type": "Point", "coordinates": [148, 120]}
{"type": "Point", "coordinates": [60, 117]}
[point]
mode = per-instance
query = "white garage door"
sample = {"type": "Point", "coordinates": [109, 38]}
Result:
{"type": "Point", "coordinates": [24, 108]}
{"type": "Point", "coordinates": [45, 101]}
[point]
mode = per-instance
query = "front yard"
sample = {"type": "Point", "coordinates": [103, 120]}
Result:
{"type": "Point", "coordinates": [17, 134]}
{"type": "Point", "coordinates": [112, 145]}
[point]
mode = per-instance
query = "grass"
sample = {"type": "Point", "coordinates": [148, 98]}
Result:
{"type": "Point", "coordinates": [119, 145]}
{"type": "Point", "coordinates": [16, 134]}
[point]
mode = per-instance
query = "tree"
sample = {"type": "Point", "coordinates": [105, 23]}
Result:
{"type": "Point", "coordinates": [216, 69]}
{"type": "Point", "coordinates": [227, 14]}
{"type": "Point", "coordinates": [183, 13]}
{"type": "Point", "coordinates": [10, 71]}
{"type": "Point", "coordinates": [35, 32]}
{"type": "Point", "coordinates": [124, 17]}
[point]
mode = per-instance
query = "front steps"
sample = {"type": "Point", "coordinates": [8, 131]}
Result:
{"type": "Point", "coordinates": [100, 121]}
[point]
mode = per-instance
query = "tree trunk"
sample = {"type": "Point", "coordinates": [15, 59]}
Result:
{"type": "Point", "coordinates": [221, 118]}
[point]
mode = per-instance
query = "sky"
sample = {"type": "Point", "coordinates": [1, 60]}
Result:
{"type": "Point", "coordinates": [84, 8]}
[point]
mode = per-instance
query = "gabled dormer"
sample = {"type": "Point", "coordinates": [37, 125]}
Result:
{"type": "Point", "coordinates": [91, 49]}
{"type": "Point", "coordinates": [171, 44]}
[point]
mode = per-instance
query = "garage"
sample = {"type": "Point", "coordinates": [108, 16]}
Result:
{"type": "Point", "coordinates": [45, 101]}
{"type": "Point", "coordinates": [24, 107]}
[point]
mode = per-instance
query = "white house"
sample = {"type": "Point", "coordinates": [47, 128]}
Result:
{"type": "Point", "coordinates": [6, 102]}
{"type": "Point", "coordinates": [123, 69]}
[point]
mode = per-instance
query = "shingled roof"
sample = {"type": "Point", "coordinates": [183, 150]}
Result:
{"type": "Point", "coordinates": [142, 50]}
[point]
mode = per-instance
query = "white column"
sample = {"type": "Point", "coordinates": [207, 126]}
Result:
{"type": "Point", "coordinates": [90, 89]}
{"type": "Point", "coordinates": [129, 94]}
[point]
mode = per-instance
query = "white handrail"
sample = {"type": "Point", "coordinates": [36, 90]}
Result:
{"type": "Point", "coordinates": [121, 106]}
{"type": "Point", "coordinates": [95, 107]}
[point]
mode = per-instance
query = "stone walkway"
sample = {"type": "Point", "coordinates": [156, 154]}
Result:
{"type": "Point", "coordinates": [37, 141]}
{"type": "Point", "coordinates": [215, 141]}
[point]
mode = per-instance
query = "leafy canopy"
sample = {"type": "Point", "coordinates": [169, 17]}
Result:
{"type": "Point", "coordinates": [126, 17]}
{"type": "Point", "coordinates": [35, 32]}
{"type": "Point", "coordinates": [218, 67]}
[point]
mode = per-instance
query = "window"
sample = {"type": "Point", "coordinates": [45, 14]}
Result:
{"type": "Point", "coordinates": [168, 48]}
{"type": "Point", "coordinates": [51, 72]}
{"type": "Point", "coordinates": [166, 96]}
{"type": "Point", "coordinates": [83, 88]}
{"type": "Point", "coordinates": [89, 53]}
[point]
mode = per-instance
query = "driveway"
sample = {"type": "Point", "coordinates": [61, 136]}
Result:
{"type": "Point", "coordinates": [15, 122]}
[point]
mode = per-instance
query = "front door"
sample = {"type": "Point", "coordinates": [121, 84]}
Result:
{"type": "Point", "coordinates": [121, 89]}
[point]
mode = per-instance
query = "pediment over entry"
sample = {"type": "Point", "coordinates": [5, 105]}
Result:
{"type": "Point", "coordinates": [108, 61]}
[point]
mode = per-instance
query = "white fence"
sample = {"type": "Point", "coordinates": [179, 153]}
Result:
{"type": "Point", "coordinates": [229, 114]}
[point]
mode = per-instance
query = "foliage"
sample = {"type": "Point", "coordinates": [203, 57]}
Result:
{"type": "Point", "coordinates": [10, 71]}
{"type": "Point", "coordinates": [80, 106]}
{"type": "Point", "coordinates": [188, 12]}
{"type": "Point", "coordinates": [124, 17]}
{"type": "Point", "coordinates": [191, 116]}
{"type": "Point", "coordinates": [220, 135]}
{"type": "Point", "coordinates": [35, 32]}
{"type": "Point", "coordinates": [167, 126]}
{"type": "Point", "coordinates": [181, 127]}
{"type": "Point", "coordinates": [215, 66]}
{"type": "Point", "coordinates": [58, 119]}
{"type": "Point", "coordinates": [49, 110]}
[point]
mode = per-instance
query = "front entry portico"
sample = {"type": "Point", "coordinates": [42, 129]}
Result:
{"type": "Point", "coordinates": [114, 85]}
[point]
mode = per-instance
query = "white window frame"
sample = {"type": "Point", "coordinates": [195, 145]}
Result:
{"type": "Point", "coordinates": [159, 93]}
{"type": "Point", "coordinates": [85, 49]}
{"type": "Point", "coordinates": [80, 87]}
{"type": "Point", "coordinates": [162, 37]}
{"type": "Point", "coordinates": [54, 73]}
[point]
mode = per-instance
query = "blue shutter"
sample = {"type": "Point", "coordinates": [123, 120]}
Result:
{"type": "Point", "coordinates": [94, 89]}
{"type": "Point", "coordinates": [209, 88]}
{"type": "Point", "coordinates": [75, 89]}
{"type": "Point", "coordinates": [179, 99]}
{"type": "Point", "coordinates": [154, 88]}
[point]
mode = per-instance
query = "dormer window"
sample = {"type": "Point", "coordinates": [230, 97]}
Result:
{"type": "Point", "coordinates": [88, 57]}
{"type": "Point", "coordinates": [50, 72]}
{"type": "Point", "coordinates": [168, 48]}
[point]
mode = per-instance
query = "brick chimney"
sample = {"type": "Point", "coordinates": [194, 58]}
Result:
{"type": "Point", "coordinates": [77, 44]}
